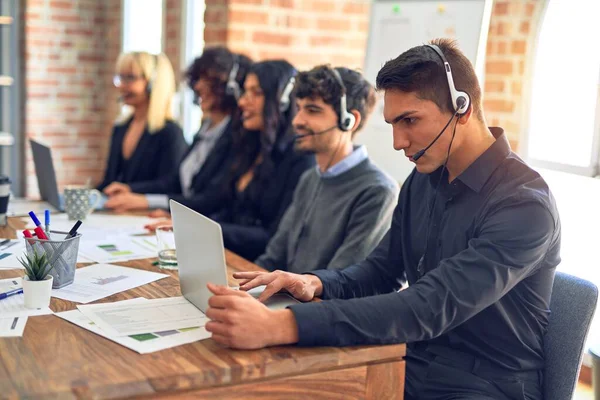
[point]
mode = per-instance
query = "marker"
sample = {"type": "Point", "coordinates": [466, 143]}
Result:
{"type": "Point", "coordinates": [10, 293]}
{"type": "Point", "coordinates": [38, 230]}
{"type": "Point", "coordinates": [73, 231]}
{"type": "Point", "coordinates": [47, 221]}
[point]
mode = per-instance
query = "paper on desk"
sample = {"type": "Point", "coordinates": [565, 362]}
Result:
{"type": "Point", "coordinates": [102, 280]}
{"type": "Point", "coordinates": [100, 226]}
{"type": "Point", "coordinates": [12, 327]}
{"type": "Point", "coordinates": [156, 315]}
{"type": "Point", "coordinates": [143, 343]}
{"type": "Point", "coordinates": [9, 253]}
{"type": "Point", "coordinates": [14, 306]}
{"type": "Point", "coordinates": [114, 250]}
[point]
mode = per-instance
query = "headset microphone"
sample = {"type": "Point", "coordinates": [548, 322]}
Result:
{"type": "Point", "coordinates": [296, 137]}
{"type": "Point", "coordinates": [421, 152]}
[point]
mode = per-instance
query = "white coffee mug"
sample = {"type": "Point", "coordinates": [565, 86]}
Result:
{"type": "Point", "coordinates": [80, 201]}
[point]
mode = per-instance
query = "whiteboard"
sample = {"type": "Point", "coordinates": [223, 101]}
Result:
{"type": "Point", "coordinates": [397, 26]}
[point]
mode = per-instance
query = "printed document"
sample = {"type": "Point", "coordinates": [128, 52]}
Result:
{"type": "Point", "coordinates": [102, 280]}
{"type": "Point", "coordinates": [155, 315]}
{"type": "Point", "coordinates": [142, 343]}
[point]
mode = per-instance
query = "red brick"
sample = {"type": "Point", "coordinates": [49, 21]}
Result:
{"type": "Point", "coordinates": [327, 41]}
{"type": "Point", "coordinates": [236, 35]}
{"type": "Point", "coordinates": [79, 31]}
{"type": "Point", "coordinates": [41, 82]}
{"type": "Point", "coordinates": [498, 105]}
{"type": "Point", "coordinates": [360, 7]}
{"type": "Point", "coordinates": [215, 36]}
{"type": "Point", "coordinates": [525, 27]}
{"type": "Point", "coordinates": [282, 3]}
{"type": "Point", "coordinates": [319, 6]}
{"type": "Point", "coordinates": [281, 39]}
{"type": "Point", "coordinates": [499, 67]}
{"type": "Point", "coordinates": [42, 30]}
{"type": "Point", "coordinates": [245, 2]}
{"type": "Point", "coordinates": [494, 86]}
{"type": "Point", "coordinates": [294, 21]}
{"type": "Point", "coordinates": [248, 17]}
{"type": "Point", "coordinates": [65, 5]}
{"type": "Point", "coordinates": [328, 24]}
{"type": "Point", "coordinates": [62, 70]}
{"type": "Point", "coordinates": [529, 9]}
{"type": "Point", "coordinates": [500, 8]}
{"type": "Point", "coordinates": [502, 47]}
{"type": "Point", "coordinates": [518, 47]}
{"type": "Point", "coordinates": [66, 18]}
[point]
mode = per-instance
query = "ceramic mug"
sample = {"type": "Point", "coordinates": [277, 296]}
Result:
{"type": "Point", "coordinates": [80, 201]}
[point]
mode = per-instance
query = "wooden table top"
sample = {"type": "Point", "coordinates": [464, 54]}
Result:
{"type": "Point", "coordinates": [57, 359]}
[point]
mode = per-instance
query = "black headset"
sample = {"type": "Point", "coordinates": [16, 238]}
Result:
{"type": "Point", "coordinates": [346, 119]}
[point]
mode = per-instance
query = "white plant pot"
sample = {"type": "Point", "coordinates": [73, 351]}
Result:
{"type": "Point", "coordinates": [37, 293]}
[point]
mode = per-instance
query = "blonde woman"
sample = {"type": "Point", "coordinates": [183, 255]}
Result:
{"type": "Point", "coordinates": [146, 143]}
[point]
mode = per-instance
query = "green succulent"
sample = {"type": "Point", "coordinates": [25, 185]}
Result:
{"type": "Point", "coordinates": [36, 266]}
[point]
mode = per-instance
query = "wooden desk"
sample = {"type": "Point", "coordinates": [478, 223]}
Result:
{"type": "Point", "coordinates": [56, 359]}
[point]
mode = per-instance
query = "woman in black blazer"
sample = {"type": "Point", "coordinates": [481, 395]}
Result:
{"type": "Point", "coordinates": [146, 144]}
{"type": "Point", "coordinates": [266, 169]}
{"type": "Point", "coordinates": [216, 77]}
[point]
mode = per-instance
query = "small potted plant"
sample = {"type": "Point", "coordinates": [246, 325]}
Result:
{"type": "Point", "coordinates": [37, 283]}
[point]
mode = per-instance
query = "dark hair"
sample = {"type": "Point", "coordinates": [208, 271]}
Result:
{"type": "Point", "coordinates": [420, 70]}
{"type": "Point", "coordinates": [273, 76]}
{"type": "Point", "coordinates": [214, 65]}
{"type": "Point", "coordinates": [319, 82]}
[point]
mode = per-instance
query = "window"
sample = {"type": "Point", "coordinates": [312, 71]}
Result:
{"type": "Point", "coordinates": [142, 25]}
{"type": "Point", "coordinates": [193, 45]}
{"type": "Point", "coordinates": [564, 113]}
{"type": "Point", "coordinates": [11, 137]}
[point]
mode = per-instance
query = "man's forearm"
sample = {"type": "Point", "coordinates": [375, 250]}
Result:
{"type": "Point", "coordinates": [285, 329]}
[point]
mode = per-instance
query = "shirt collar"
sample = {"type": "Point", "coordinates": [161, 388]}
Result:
{"type": "Point", "coordinates": [358, 155]}
{"type": "Point", "coordinates": [213, 133]}
{"type": "Point", "coordinates": [478, 173]}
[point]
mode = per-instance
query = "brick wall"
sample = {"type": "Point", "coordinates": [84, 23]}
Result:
{"type": "Point", "coordinates": [70, 50]}
{"type": "Point", "coordinates": [71, 47]}
{"type": "Point", "coordinates": [509, 50]}
{"type": "Point", "coordinates": [302, 31]}
{"type": "Point", "coordinates": [172, 34]}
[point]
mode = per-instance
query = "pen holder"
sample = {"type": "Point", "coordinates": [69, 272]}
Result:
{"type": "Point", "coordinates": [62, 256]}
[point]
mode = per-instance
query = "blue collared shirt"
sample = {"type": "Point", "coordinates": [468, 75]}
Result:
{"type": "Point", "coordinates": [358, 155]}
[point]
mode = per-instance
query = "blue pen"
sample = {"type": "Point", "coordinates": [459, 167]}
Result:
{"type": "Point", "coordinates": [10, 293]}
{"type": "Point", "coordinates": [47, 220]}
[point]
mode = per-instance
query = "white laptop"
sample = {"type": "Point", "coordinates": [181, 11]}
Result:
{"type": "Point", "coordinates": [201, 258]}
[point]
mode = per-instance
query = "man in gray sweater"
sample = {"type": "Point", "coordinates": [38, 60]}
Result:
{"type": "Point", "coordinates": [343, 207]}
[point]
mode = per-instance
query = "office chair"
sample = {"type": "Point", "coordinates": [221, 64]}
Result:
{"type": "Point", "coordinates": [572, 307]}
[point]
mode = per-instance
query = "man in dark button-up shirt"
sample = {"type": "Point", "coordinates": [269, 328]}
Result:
{"type": "Point", "coordinates": [476, 234]}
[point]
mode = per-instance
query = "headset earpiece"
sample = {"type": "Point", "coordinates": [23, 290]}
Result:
{"type": "Point", "coordinates": [346, 119]}
{"type": "Point", "coordinates": [232, 88]}
{"type": "Point", "coordinates": [284, 100]}
{"type": "Point", "coordinates": [460, 100]}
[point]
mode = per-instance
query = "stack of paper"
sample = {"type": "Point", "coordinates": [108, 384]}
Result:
{"type": "Point", "coordinates": [142, 325]}
{"type": "Point", "coordinates": [9, 253]}
{"type": "Point", "coordinates": [100, 226]}
{"type": "Point", "coordinates": [110, 250]}
{"type": "Point", "coordinates": [102, 280]}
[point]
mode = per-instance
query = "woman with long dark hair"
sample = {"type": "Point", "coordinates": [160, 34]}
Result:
{"type": "Point", "coordinates": [265, 169]}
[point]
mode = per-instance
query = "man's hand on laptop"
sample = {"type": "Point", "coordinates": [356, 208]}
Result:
{"type": "Point", "coordinates": [238, 321]}
{"type": "Point", "coordinates": [302, 287]}
{"type": "Point", "coordinates": [116, 188]}
{"type": "Point", "coordinates": [127, 201]}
